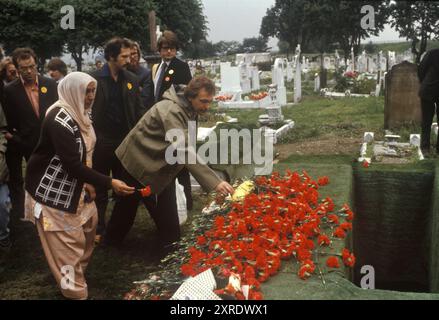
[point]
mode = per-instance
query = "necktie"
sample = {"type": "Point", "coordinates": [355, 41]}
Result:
{"type": "Point", "coordinates": [160, 80]}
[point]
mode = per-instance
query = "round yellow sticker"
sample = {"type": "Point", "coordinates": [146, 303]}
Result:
{"type": "Point", "coordinates": [43, 89]}
{"type": "Point", "coordinates": [129, 86]}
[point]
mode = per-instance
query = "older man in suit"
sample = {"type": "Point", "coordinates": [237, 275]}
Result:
{"type": "Point", "coordinates": [172, 71]}
{"type": "Point", "coordinates": [26, 100]}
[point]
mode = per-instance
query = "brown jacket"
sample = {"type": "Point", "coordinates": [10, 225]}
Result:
{"type": "Point", "coordinates": [142, 153]}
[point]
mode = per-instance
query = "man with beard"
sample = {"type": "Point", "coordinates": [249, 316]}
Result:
{"type": "Point", "coordinates": [116, 110]}
{"type": "Point", "coordinates": [144, 76]}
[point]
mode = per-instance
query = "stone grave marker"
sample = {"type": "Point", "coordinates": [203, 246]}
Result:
{"type": "Point", "coordinates": [402, 103]}
{"type": "Point", "coordinates": [230, 78]}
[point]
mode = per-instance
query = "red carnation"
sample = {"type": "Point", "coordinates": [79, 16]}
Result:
{"type": "Point", "coordinates": [323, 181]}
{"type": "Point", "coordinates": [339, 233]}
{"type": "Point", "coordinates": [332, 262]}
{"type": "Point", "coordinates": [145, 192]}
{"type": "Point", "coordinates": [323, 240]}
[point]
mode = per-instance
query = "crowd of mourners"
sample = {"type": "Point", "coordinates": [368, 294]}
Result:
{"type": "Point", "coordinates": [67, 139]}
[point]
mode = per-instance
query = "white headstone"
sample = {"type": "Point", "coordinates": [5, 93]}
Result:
{"type": "Point", "coordinates": [298, 78]}
{"type": "Point", "coordinates": [352, 59]}
{"type": "Point", "coordinates": [255, 82]}
{"type": "Point", "coordinates": [368, 137]}
{"type": "Point", "coordinates": [230, 78]}
{"type": "Point", "coordinates": [316, 82]}
{"type": "Point", "coordinates": [290, 72]}
{"type": "Point", "coordinates": [415, 140]}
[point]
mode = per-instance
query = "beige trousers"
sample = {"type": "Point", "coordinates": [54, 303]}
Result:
{"type": "Point", "coordinates": [68, 254]}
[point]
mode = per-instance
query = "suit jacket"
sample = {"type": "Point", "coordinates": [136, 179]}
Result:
{"type": "Point", "coordinates": [146, 85]}
{"type": "Point", "coordinates": [178, 72]}
{"type": "Point", "coordinates": [22, 121]}
{"type": "Point", "coordinates": [133, 106]}
{"type": "Point", "coordinates": [428, 73]}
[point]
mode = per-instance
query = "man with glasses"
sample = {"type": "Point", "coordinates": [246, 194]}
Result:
{"type": "Point", "coordinates": [172, 71]}
{"type": "Point", "coordinates": [26, 100]}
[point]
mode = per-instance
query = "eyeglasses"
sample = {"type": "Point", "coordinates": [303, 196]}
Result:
{"type": "Point", "coordinates": [168, 49]}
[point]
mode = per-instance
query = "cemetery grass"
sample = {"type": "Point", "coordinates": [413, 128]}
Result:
{"type": "Point", "coordinates": [327, 126]}
{"type": "Point", "coordinates": [24, 273]}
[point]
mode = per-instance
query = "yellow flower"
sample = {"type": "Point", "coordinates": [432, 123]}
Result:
{"type": "Point", "coordinates": [43, 90]}
{"type": "Point", "coordinates": [243, 189]}
{"type": "Point", "coordinates": [129, 86]}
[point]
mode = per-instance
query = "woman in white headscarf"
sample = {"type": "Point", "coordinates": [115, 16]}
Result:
{"type": "Point", "coordinates": [60, 184]}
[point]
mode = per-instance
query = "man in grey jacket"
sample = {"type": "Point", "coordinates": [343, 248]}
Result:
{"type": "Point", "coordinates": [143, 156]}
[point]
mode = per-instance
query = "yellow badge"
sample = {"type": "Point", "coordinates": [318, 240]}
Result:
{"type": "Point", "coordinates": [43, 90]}
{"type": "Point", "coordinates": [129, 86]}
{"type": "Point", "coordinates": [171, 71]}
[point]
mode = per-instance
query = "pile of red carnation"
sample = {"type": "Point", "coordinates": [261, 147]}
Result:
{"type": "Point", "coordinates": [224, 98]}
{"type": "Point", "coordinates": [258, 96]}
{"type": "Point", "coordinates": [281, 219]}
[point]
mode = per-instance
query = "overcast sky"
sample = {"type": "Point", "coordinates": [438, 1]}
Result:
{"type": "Point", "coordinates": [238, 19]}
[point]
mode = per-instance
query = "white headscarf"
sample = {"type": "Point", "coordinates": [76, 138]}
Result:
{"type": "Point", "coordinates": [71, 92]}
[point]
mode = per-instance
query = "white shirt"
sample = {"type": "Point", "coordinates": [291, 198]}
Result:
{"type": "Point", "coordinates": [163, 64]}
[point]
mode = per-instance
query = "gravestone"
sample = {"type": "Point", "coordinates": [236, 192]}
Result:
{"type": "Point", "coordinates": [290, 71]}
{"type": "Point", "coordinates": [402, 103]}
{"type": "Point", "coordinates": [278, 79]}
{"type": "Point", "coordinates": [255, 80]}
{"type": "Point", "coordinates": [323, 78]}
{"type": "Point", "coordinates": [230, 78]}
{"type": "Point", "coordinates": [298, 78]}
{"type": "Point", "coordinates": [316, 82]}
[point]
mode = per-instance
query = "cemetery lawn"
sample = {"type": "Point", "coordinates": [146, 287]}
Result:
{"type": "Point", "coordinates": [326, 132]}
{"type": "Point", "coordinates": [327, 126]}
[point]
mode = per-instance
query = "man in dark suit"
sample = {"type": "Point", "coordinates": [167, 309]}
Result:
{"type": "Point", "coordinates": [172, 71]}
{"type": "Point", "coordinates": [116, 110]}
{"type": "Point", "coordinates": [428, 73]}
{"type": "Point", "coordinates": [26, 100]}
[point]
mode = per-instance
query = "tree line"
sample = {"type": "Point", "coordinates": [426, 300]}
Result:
{"type": "Point", "coordinates": [37, 24]}
{"type": "Point", "coordinates": [325, 25]}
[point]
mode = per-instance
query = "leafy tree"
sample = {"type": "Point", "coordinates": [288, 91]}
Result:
{"type": "Point", "coordinates": [227, 47]}
{"type": "Point", "coordinates": [286, 20]}
{"type": "Point", "coordinates": [202, 49]}
{"type": "Point", "coordinates": [347, 23]}
{"type": "Point", "coordinates": [319, 25]}
{"type": "Point", "coordinates": [417, 21]}
{"type": "Point", "coordinates": [25, 23]}
{"type": "Point", "coordinates": [258, 44]}
{"type": "Point", "coordinates": [371, 48]}
{"type": "Point", "coordinates": [185, 18]}
{"type": "Point", "coordinates": [98, 21]}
